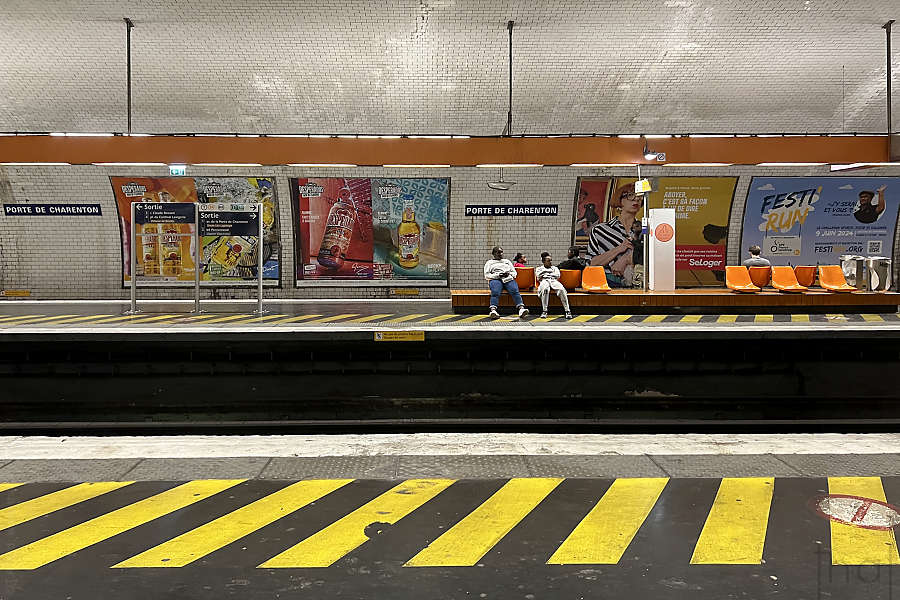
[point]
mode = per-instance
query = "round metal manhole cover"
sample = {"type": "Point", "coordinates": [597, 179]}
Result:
{"type": "Point", "coordinates": [857, 511]}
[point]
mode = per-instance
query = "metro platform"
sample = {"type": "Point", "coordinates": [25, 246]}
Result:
{"type": "Point", "coordinates": [448, 516]}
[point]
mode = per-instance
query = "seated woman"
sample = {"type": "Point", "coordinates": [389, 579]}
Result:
{"type": "Point", "coordinates": [501, 275]}
{"type": "Point", "coordinates": [548, 275]}
{"type": "Point", "coordinates": [520, 260]}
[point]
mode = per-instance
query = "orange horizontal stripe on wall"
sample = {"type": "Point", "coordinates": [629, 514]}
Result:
{"type": "Point", "coordinates": [457, 152]}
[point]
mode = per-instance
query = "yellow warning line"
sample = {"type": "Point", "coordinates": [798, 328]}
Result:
{"type": "Point", "coordinates": [799, 318]}
{"type": "Point", "coordinates": [618, 318]}
{"type": "Point", "coordinates": [605, 533]}
{"type": "Point", "coordinates": [690, 319]}
{"type": "Point", "coordinates": [294, 319]}
{"type": "Point", "coordinates": [331, 319]}
{"type": "Point", "coordinates": [82, 319]}
{"type": "Point", "coordinates": [472, 319]}
{"type": "Point", "coordinates": [735, 529]}
{"type": "Point", "coordinates": [258, 319]}
{"type": "Point", "coordinates": [726, 319]}
{"type": "Point", "coordinates": [464, 544]}
{"type": "Point", "coordinates": [851, 545]}
{"type": "Point", "coordinates": [42, 320]}
{"type": "Point", "coordinates": [8, 486]}
{"type": "Point", "coordinates": [208, 538]}
{"type": "Point", "coordinates": [330, 544]}
{"type": "Point", "coordinates": [5, 320]}
{"type": "Point", "coordinates": [48, 503]}
{"type": "Point", "coordinates": [438, 318]}
{"type": "Point", "coordinates": [368, 318]}
{"type": "Point", "coordinates": [58, 545]}
{"type": "Point", "coordinates": [156, 318]}
{"type": "Point", "coordinates": [201, 317]}
{"type": "Point", "coordinates": [226, 319]}
{"type": "Point", "coordinates": [763, 318]}
{"type": "Point", "coordinates": [404, 318]}
{"type": "Point", "coordinates": [139, 318]}
{"type": "Point", "coordinates": [873, 318]}
{"type": "Point", "coordinates": [547, 318]}
{"type": "Point", "coordinates": [654, 318]}
{"type": "Point", "coordinates": [584, 318]}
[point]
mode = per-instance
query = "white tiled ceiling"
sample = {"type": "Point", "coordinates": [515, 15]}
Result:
{"type": "Point", "coordinates": [403, 66]}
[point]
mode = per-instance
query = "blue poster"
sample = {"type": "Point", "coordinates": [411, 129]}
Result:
{"type": "Point", "coordinates": [814, 220]}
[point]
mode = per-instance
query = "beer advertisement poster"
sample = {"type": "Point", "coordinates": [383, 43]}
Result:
{"type": "Point", "coordinates": [814, 220]}
{"type": "Point", "coordinates": [169, 259]}
{"type": "Point", "coordinates": [376, 231]}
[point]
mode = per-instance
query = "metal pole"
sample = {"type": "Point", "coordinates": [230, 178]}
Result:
{"type": "Point", "coordinates": [887, 33]}
{"type": "Point", "coordinates": [197, 258]}
{"type": "Point", "coordinates": [259, 264]}
{"type": "Point", "coordinates": [645, 230]}
{"type": "Point", "coordinates": [509, 132]}
{"type": "Point", "coordinates": [128, 27]}
{"type": "Point", "coordinates": [133, 262]}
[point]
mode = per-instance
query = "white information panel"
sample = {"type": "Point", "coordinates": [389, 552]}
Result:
{"type": "Point", "coordinates": [662, 249]}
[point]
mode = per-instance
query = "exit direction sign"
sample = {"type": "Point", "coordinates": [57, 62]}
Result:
{"type": "Point", "coordinates": [163, 212]}
{"type": "Point", "coordinates": [229, 219]}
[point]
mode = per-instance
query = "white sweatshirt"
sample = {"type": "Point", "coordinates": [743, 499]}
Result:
{"type": "Point", "coordinates": [549, 273]}
{"type": "Point", "coordinates": [499, 269]}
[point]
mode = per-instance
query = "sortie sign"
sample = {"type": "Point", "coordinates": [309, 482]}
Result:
{"type": "Point", "coordinates": [518, 210]}
{"type": "Point", "coordinates": [52, 210]}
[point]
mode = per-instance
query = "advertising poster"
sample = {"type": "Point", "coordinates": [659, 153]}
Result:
{"type": "Point", "coordinates": [702, 209]}
{"type": "Point", "coordinates": [814, 220]}
{"type": "Point", "coordinates": [374, 231]}
{"type": "Point", "coordinates": [238, 190]}
{"type": "Point", "coordinates": [590, 206]}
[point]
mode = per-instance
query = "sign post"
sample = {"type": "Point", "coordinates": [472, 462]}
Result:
{"type": "Point", "coordinates": [134, 236]}
{"type": "Point", "coordinates": [259, 262]}
{"type": "Point", "coordinates": [197, 259]}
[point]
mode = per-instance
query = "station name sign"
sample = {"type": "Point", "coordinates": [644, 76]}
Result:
{"type": "Point", "coordinates": [518, 210]}
{"type": "Point", "coordinates": [52, 210]}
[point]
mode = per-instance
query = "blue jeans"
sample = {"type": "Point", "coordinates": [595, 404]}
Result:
{"type": "Point", "coordinates": [497, 288]}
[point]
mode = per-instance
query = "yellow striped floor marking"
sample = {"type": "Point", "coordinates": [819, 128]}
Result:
{"type": "Point", "coordinates": [464, 544]}
{"type": "Point", "coordinates": [157, 318]}
{"type": "Point", "coordinates": [201, 317]}
{"type": "Point", "coordinates": [332, 318]}
{"type": "Point", "coordinates": [8, 486]}
{"type": "Point", "coordinates": [605, 533]}
{"type": "Point", "coordinates": [690, 319]}
{"type": "Point", "coordinates": [438, 318]}
{"type": "Point", "coordinates": [58, 545]}
{"type": "Point", "coordinates": [404, 318]}
{"type": "Point", "coordinates": [873, 318]}
{"type": "Point", "coordinates": [763, 318]}
{"type": "Point", "coordinates": [42, 320]}
{"type": "Point", "coordinates": [82, 319]}
{"type": "Point", "coordinates": [735, 529]}
{"type": "Point", "coordinates": [549, 318]}
{"type": "Point", "coordinates": [618, 319]}
{"type": "Point", "coordinates": [839, 317]}
{"type": "Point", "coordinates": [654, 318]}
{"type": "Point", "coordinates": [584, 318]}
{"type": "Point", "coordinates": [258, 319]}
{"type": "Point", "coordinates": [228, 318]}
{"type": "Point", "coordinates": [368, 318]}
{"type": "Point", "coordinates": [43, 505]}
{"type": "Point", "coordinates": [799, 318]}
{"type": "Point", "coordinates": [197, 543]}
{"type": "Point", "coordinates": [294, 319]}
{"type": "Point", "coordinates": [726, 319]}
{"type": "Point", "coordinates": [852, 545]}
{"type": "Point", "coordinates": [5, 320]}
{"type": "Point", "coordinates": [324, 548]}
{"type": "Point", "coordinates": [139, 318]}
{"type": "Point", "coordinates": [472, 319]}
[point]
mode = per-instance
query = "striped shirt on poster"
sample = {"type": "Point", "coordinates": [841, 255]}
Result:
{"type": "Point", "coordinates": [605, 237]}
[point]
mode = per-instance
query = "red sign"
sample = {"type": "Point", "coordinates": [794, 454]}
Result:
{"type": "Point", "coordinates": [704, 258]}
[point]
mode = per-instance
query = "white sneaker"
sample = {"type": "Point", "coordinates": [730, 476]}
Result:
{"type": "Point", "coordinates": [523, 312]}
{"type": "Point", "coordinates": [544, 315]}
{"type": "Point", "coordinates": [568, 315]}
{"type": "Point", "coordinates": [494, 314]}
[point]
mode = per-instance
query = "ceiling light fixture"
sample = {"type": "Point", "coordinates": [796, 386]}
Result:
{"type": "Point", "coordinates": [790, 164]}
{"type": "Point", "coordinates": [416, 166]}
{"type": "Point", "coordinates": [711, 164]}
{"type": "Point", "coordinates": [313, 165]}
{"type": "Point", "coordinates": [601, 165]}
{"type": "Point", "coordinates": [227, 164]}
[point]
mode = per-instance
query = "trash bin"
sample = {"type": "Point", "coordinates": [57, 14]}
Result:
{"type": "Point", "coordinates": [854, 270]}
{"type": "Point", "coordinates": [879, 268]}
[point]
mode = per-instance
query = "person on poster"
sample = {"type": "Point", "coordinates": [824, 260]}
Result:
{"type": "Point", "coordinates": [588, 217]}
{"type": "Point", "coordinates": [610, 244]}
{"type": "Point", "coordinates": [501, 275]}
{"type": "Point", "coordinates": [868, 212]}
{"type": "Point", "coordinates": [548, 276]}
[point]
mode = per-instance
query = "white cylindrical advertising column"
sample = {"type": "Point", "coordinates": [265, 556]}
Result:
{"type": "Point", "coordinates": [662, 249]}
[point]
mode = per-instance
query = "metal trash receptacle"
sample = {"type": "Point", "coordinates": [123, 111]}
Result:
{"type": "Point", "coordinates": [879, 269]}
{"type": "Point", "coordinates": [854, 268]}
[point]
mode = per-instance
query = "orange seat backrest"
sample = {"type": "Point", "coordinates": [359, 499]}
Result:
{"type": "Point", "coordinates": [570, 278]}
{"type": "Point", "coordinates": [806, 276]}
{"type": "Point", "coordinates": [784, 277]}
{"type": "Point", "coordinates": [832, 276]}
{"type": "Point", "coordinates": [760, 276]}
{"type": "Point", "coordinates": [594, 277]}
{"type": "Point", "coordinates": [737, 276]}
{"type": "Point", "coordinates": [525, 277]}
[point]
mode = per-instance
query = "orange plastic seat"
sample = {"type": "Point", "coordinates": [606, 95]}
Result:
{"type": "Point", "coordinates": [784, 280]}
{"type": "Point", "coordinates": [760, 276]}
{"type": "Point", "coordinates": [738, 279]}
{"type": "Point", "coordinates": [570, 278]}
{"type": "Point", "coordinates": [525, 278]}
{"type": "Point", "coordinates": [805, 275]}
{"type": "Point", "coordinates": [593, 279]}
{"type": "Point", "coordinates": [831, 278]}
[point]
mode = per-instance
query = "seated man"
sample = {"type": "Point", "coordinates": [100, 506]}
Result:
{"type": "Point", "coordinates": [755, 259]}
{"type": "Point", "coordinates": [548, 275]}
{"type": "Point", "coordinates": [573, 260]}
{"type": "Point", "coordinates": [501, 274]}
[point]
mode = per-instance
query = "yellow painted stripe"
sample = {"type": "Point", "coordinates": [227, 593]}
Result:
{"type": "Point", "coordinates": [726, 319]}
{"type": "Point", "coordinates": [140, 318]}
{"type": "Point", "coordinates": [156, 318]}
{"type": "Point", "coordinates": [464, 544]}
{"type": "Point", "coordinates": [228, 318]}
{"type": "Point", "coordinates": [412, 317]}
{"type": "Point", "coordinates": [368, 318]}
{"type": "Point", "coordinates": [584, 318]}
{"type": "Point", "coordinates": [799, 318]}
{"type": "Point", "coordinates": [202, 317]}
{"type": "Point", "coordinates": [654, 318]}
{"type": "Point", "coordinates": [605, 533]}
{"type": "Point", "coordinates": [472, 319]}
{"type": "Point", "coordinates": [438, 318]}
{"type": "Point", "coordinates": [332, 318]}
{"type": "Point", "coordinates": [618, 319]}
{"type": "Point", "coordinates": [6, 320]}
{"type": "Point", "coordinates": [43, 505]}
{"type": "Point", "coordinates": [763, 319]}
{"type": "Point", "coordinates": [735, 529]}
{"type": "Point", "coordinates": [43, 319]}
{"type": "Point", "coordinates": [294, 319]}
{"type": "Point", "coordinates": [82, 319]}
{"type": "Point", "coordinates": [324, 548]}
{"type": "Point", "coordinates": [8, 486]}
{"type": "Point", "coordinates": [873, 318]}
{"type": "Point", "coordinates": [83, 535]}
{"type": "Point", "coordinates": [839, 316]}
{"type": "Point", "coordinates": [257, 319]}
{"type": "Point", "coordinates": [852, 545]}
{"type": "Point", "coordinates": [197, 543]}
{"type": "Point", "coordinates": [690, 319]}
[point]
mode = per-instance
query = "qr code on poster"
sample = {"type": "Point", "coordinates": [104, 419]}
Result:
{"type": "Point", "coordinates": [873, 247]}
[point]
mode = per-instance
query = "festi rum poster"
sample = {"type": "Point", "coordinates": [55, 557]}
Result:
{"type": "Point", "coordinates": [702, 211]}
{"type": "Point", "coordinates": [814, 220]}
{"type": "Point", "coordinates": [374, 230]}
{"type": "Point", "coordinates": [241, 190]}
